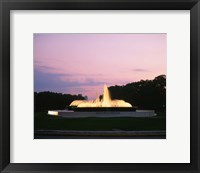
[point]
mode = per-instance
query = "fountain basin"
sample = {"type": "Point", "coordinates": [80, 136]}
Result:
{"type": "Point", "coordinates": [104, 114]}
{"type": "Point", "coordinates": [102, 109]}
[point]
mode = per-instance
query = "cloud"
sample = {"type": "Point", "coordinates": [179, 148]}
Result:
{"type": "Point", "coordinates": [43, 67]}
{"type": "Point", "coordinates": [140, 70]}
{"type": "Point", "coordinates": [53, 70]}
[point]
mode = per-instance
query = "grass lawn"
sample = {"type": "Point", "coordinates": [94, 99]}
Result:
{"type": "Point", "coordinates": [42, 121]}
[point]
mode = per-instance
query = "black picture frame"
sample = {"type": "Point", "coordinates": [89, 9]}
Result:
{"type": "Point", "coordinates": [7, 5]}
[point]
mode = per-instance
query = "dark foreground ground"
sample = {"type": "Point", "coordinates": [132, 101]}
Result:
{"type": "Point", "coordinates": [52, 127]}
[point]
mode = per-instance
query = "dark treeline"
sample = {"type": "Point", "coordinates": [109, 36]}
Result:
{"type": "Point", "coordinates": [44, 101]}
{"type": "Point", "coordinates": [145, 94]}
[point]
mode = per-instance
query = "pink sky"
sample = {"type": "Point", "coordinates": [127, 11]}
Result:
{"type": "Point", "coordinates": [83, 63]}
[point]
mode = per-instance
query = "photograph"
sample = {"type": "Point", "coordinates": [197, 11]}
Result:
{"type": "Point", "coordinates": [100, 85]}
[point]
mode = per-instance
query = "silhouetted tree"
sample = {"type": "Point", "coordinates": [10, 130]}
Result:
{"type": "Point", "coordinates": [44, 101]}
{"type": "Point", "coordinates": [146, 94]}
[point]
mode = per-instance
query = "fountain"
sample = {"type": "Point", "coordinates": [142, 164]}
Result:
{"type": "Point", "coordinates": [105, 107]}
{"type": "Point", "coordinates": [105, 104]}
